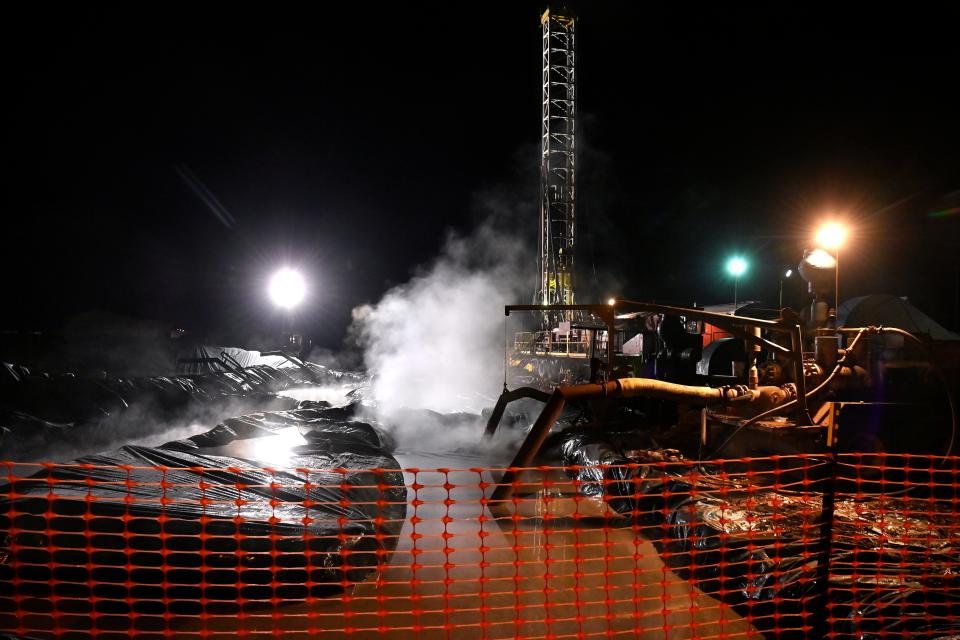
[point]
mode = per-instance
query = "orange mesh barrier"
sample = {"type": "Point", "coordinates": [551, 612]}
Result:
{"type": "Point", "coordinates": [861, 546]}
{"type": "Point", "coordinates": [895, 547]}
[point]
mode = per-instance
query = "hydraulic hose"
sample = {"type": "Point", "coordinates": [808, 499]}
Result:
{"type": "Point", "coordinates": [840, 363]}
{"type": "Point", "coordinates": [787, 405]}
{"type": "Point", "coordinates": [943, 380]}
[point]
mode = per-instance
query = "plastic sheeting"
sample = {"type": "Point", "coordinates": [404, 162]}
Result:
{"type": "Point", "coordinates": [187, 361]}
{"type": "Point", "coordinates": [605, 467]}
{"type": "Point", "coordinates": [169, 528]}
{"type": "Point", "coordinates": [738, 531]}
{"type": "Point", "coordinates": [758, 552]}
{"type": "Point", "coordinates": [39, 409]}
{"type": "Point", "coordinates": [204, 358]}
{"type": "Point", "coordinates": [892, 565]}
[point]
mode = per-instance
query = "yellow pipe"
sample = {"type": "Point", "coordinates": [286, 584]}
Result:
{"type": "Point", "coordinates": [626, 388]}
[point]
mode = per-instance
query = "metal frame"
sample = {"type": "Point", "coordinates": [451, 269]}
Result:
{"type": "Point", "coordinates": [293, 360]}
{"type": "Point", "coordinates": [603, 311]}
{"type": "Point", "coordinates": [788, 323]}
{"type": "Point", "coordinates": [557, 164]}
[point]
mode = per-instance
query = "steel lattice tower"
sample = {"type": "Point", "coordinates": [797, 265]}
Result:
{"type": "Point", "coordinates": [557, 162]}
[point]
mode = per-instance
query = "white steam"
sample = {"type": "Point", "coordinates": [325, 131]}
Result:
{"type": "Point", "coordinates": [142, 424]}
{"type": "Point", "coordinates": [436, 343]}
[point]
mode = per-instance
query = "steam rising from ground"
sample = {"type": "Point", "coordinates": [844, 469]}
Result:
{"type": "Point", "coordinates": [434, 348]}
{"type": "Point", "coordinates": [436, 343]}
{"type": "Point", "coordinates": [144, 424]}
{"type": "Point", "coordinates": [148, 424]}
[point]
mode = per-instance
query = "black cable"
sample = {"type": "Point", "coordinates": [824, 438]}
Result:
{"type": "Point", "coordinates": [880, 330]}
{"type": "Point", "coordinates": [777, 409]}
{"type": "Point", "coordinates": [943, 379]}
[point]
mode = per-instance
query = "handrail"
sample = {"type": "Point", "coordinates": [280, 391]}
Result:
{"type": "Point", "coordinates": [788, 323]}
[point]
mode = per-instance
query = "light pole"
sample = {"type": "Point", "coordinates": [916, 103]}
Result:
{"type": "Point", "coordinates": [736, 267]}
{"type": "Point", "coordinates": [831, 236]}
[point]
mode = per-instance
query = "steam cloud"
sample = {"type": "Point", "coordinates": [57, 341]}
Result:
{"type": "Point", "coordinates": [436, 343]}
{"type": "Point", "coordinates": [144, 424]}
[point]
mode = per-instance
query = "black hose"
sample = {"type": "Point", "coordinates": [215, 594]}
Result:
{"type": "Point", "coordinates": [933, 365]}
{"type": "Point", "coordinates": [943, 380]}
{"type": "Point", "coordinates": [787, 405]}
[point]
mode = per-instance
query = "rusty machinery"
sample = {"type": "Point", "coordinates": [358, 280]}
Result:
{"type": "Point", "coordinates": [798, 373]}
{"type": "Point", "coordinates": [779, 376]}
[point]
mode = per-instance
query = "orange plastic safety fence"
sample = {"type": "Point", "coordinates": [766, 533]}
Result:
{"type": "Point", "coordinates": [895, 547]}
{"type": "Point", "coordinates": [673, 549]}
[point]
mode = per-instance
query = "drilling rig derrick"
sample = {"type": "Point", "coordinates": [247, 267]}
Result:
{"type": "Point", "coordinates": [557, 168]}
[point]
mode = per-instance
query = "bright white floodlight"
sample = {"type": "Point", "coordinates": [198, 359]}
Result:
{"type": "Point", "coordinates": [287, 288]}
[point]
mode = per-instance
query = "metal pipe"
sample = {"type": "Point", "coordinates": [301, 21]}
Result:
{"type": "Point", "coordinates": [622, 388]}
{"type": "Point", "coordinates": [800, 378]}
{"type": "Point", "coordinates": [506, 398]}
{"type": "Point", "coordinates": [802, 395]}
{"type": "Point", "coordinates": [531, 444]}
{"type": "Point", "coordinates": [722, 320]}
{"type": "Point", "coordinates": [650, 388]}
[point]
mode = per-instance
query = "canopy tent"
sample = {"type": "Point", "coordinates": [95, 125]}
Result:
{"type": "Point", "coordinates": [891, 311]}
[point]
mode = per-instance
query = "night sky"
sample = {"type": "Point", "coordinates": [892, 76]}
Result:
{"type": "Point", "coordinates": [350, 141]}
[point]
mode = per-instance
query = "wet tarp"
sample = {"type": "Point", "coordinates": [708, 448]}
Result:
{"type": "Point", "coordinates": [154, 529]}
{"type": "Point", "coordinates": [38, 409]}
{"type": "Point", "coordinates": [201, 359]}
{"type": "Point", "coordinates": [758, 552]}
{"type": "Point", "coordinates": [892, 573]}
{"type": "Point", "coordinates": [205, 358]}
{"type": "Point", "coordinates": [893, 558]}
{"type": "Point", "coordinates": [608, 466]}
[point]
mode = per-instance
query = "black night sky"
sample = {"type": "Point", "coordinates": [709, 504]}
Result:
{"type": "Point", "coordinates": [348, 141]}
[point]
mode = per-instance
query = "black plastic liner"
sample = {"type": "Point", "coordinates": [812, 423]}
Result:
{"type": "Point", "coordinates": [891, 575]}
{"type": "Point", "coordinates": [212, 532]}
{"type": "Point", "coordinates": [756, 551]}
{"type": "Point", "coordinates": [609, 467]}
{"type": "Point", "coordinates": [893, 559]}
{"type": "Point", "coordinates": [43, 415]}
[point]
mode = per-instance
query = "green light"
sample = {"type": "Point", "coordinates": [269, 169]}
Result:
{"type": "Point", "coordinates": [736, 267]}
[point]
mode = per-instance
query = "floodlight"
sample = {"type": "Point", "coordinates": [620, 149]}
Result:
{"type": "Point", "coordinates": [736, 267]}
{"type": "Point", "coordinates": [287, 288]}
{"type": "Point", "coordinates": [820, 259]}
{"type": "Point", "coordinates": [831, 235]}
